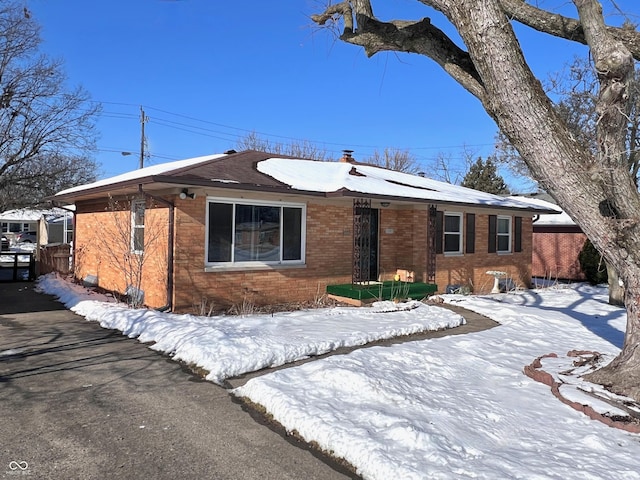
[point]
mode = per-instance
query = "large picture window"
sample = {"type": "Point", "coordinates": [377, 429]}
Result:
{"type": "Point", "coordinates": [243, 233]}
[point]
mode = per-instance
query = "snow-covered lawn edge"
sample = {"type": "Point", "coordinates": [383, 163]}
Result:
{"type": "Point", "coordinates": [227, 346]}
{"type": "Point", "coordinates": [461, 406]}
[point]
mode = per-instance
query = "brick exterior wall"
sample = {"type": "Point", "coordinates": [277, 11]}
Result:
{"type": "Point", "coordinates": [470, 269]}
{"type": "Point", "coordinates": [403, 240]}
{"type": "Point", "coordinates": [555, 254]}
{"type": "Point", "coordinates": [328, 260]}
{"type": "Point", "coordinates": [102, 245]}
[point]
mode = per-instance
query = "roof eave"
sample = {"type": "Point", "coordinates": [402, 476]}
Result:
{"type": "Point", "coordinates": [177, 182]}
{"type": "Point", "coordinates": [196, 182]}
{"type": "Point", "coordinates": [524, 209]}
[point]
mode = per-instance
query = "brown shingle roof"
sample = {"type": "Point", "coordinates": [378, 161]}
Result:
{"type": "Point", "coordinates": [233, 170]}
{"type": "Point", "coordinates": [236, 167]}
{"type": "Point", "coordinates": [239, 171]}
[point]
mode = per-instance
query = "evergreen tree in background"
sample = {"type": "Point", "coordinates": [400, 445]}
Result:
{"type": "Point", "coordinates": [483, 176]}
{"type": "Point", "coordinates": [592, 264]}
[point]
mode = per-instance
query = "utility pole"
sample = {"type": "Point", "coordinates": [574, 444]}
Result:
{"type": "Point", "coordinates": [143, 120]}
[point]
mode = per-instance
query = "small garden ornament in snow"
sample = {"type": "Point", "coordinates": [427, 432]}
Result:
{"type": "Point", "coordinates": [497, 275]}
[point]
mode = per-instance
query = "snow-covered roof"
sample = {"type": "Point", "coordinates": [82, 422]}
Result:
{"type": "Point", "coordinates": [260, 171]}
{"type": "Point", "coordinates": [31, 214]}
{"type": "Point", "coordinates": [326, 177]}
{"type": "Point", "coordinates": [562, 218]}
{"type": "Point", "coordinates": [158, 169]}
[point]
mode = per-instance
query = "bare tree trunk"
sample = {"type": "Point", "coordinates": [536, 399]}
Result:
{"type": "Point", "coordinates": [616, 287]}
{"type": "Point", "coordinates": [597, 191]}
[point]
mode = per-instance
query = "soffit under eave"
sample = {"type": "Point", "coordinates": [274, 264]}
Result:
{"type": "Point", "coordinates": [162, 185]}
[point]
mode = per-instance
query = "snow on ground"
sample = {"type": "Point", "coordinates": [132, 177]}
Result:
{"type": "Point", "coordinates": [20, 248]}
{"type": "Point", "coordinates": [228, 346]}
{"type": "Point", "coordinates": [446, 408]}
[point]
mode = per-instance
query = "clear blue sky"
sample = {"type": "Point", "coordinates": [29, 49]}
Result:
{"type": "Point", "coordinates": [208, 72]}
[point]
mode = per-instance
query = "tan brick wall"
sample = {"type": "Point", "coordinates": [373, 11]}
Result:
{"type": "Point", "coordinates": [102, 248]}
{"type": "Point", "coordinates": [328, 260]}
{"type": "Point", "coordinates": [402, 244]}
{"type": "Point", "coordinates": [555, 255]}
{"type": "Point", "coordinates": [470, 269]}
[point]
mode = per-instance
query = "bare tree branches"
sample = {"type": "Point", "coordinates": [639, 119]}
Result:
{"type": "Point", "coordinates": [419, 37]}
{"type": "Point", "coordinates": [394, 159]}
{"type": "Point", "coordinates": [300, 149]}
{"type": "Point", "coordinates": [41, 122]}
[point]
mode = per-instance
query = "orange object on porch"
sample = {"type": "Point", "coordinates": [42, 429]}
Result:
{"type": "Point", "coordinates": [405, 275]}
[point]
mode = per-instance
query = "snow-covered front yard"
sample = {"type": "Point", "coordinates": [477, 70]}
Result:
{"type": "Point", "coordinates": [445, 408]}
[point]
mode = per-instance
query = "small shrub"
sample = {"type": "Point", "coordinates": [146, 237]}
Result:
{"type": "Point", "coordinates": [206, 307]}
{"type": "Point", "coordinates": [247, 307]}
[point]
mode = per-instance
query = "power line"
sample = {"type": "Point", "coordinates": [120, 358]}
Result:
{"type": "Point", "coordinates": [228, 136]}
{"type": "Point", "coordinates": [213, 133]}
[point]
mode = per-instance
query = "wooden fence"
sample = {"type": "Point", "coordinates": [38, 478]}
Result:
{"type": "Point", "coordinates": [55, 258]}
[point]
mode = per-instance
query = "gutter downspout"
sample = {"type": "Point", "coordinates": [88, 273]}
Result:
{"type": "Point", "coordinates": [169, 305]}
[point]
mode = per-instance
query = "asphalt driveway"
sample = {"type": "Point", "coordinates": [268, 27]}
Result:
{"type": "Point", "coordinates": [79, 401]}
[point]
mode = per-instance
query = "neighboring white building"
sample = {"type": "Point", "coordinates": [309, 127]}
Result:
{"type": "Point", "coordinates": [56, 224]}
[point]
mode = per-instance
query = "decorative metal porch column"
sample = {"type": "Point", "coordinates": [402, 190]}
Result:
{"type": "Point", "coordinates": [361, 267]}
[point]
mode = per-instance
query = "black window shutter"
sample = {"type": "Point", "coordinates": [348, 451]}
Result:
{"type": "Point", "coordinates": [493, 233]}
{"type": "Point", "coordinates": [517, 241]}
{"type": "Point", "coordinates": [439, 231]}
{"type": "Point", "coordinates": [470, 246]}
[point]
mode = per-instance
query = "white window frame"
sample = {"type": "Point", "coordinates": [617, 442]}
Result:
{"type": "Point", "coordinates": [459, 233]}
{"type": "Point", "coordinates": [10, 227]}
{"type": "Point", "coordinates": [244, 264]}
{"type": "Point", "coordinates": [508, 234]}
{"type": "Point", "coordinates": [135, 227]}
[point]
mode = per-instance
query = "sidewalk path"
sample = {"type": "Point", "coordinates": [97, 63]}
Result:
{"type": "Point", "coordinates": [474, 323]}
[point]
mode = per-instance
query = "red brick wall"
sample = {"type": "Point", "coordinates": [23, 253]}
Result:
{"type": "Point", "coordinates": [555, 255]}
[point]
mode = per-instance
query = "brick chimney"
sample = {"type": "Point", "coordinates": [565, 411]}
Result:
{"type": "Point", "coordinates": [346, 157]}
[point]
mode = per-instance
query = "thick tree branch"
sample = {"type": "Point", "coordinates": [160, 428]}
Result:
{"type": "Point", "coordinates": [615, 68]}
{"type": "Point", "coordinates": [419, 37]}
{"type": "Point", "coordinates": [335, 11]}
{"type": "Point", "coordinates": [551, 23]}
{"type": "Point", "coordinates": [563, 27]}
